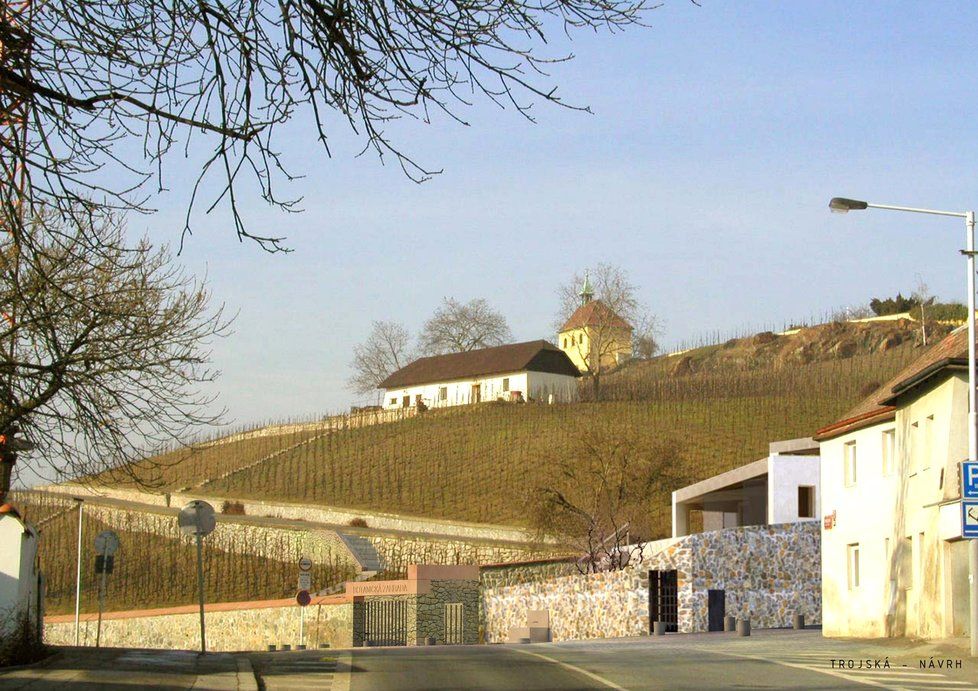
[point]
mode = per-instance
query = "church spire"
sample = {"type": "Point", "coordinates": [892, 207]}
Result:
{"type": "Point", "coordinates": [587, 293]}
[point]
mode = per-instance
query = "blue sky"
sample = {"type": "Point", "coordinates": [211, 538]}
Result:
{"type": "Point", "coordinates": [718, 135]}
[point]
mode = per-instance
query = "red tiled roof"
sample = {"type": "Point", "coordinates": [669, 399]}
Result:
{"type": "Point", "coordinates": [878, 406]}
{"type": "Point", "coordinates": [594, 313]}
{"type": "Point", "coordinates": [532, 356]}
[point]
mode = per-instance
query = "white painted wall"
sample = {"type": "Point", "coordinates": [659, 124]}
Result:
{"type": "Point", "coordinates": [906, 586]}
{"type": "Point", "coordinates": [533, 385]}
{"type": "Point", "coordinates": [785, 474]}
{"type": "Point", "coordinates": [18, 547]}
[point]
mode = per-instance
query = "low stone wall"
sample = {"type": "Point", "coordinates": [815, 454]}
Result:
{"type": "Point", "coordinates": [229, 626]}
{"type": "Point", "coordinates": [498, 575]}
{"type": "Point", "coordinates": [768, 574]}
{"type": "Point", "coordinates": [397, 553]}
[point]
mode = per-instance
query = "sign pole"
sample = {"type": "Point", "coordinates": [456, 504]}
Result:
{"type": "Point", "coordinates": [302, 619]}
{"type": "Point", "coordinates": [81, 504]}
{"type": "Point", "coordinates": [101, 605]}
{"type": "Point", "coordinates": [200, 589]}
{"type": "Point", "coordinates": [969, 221]}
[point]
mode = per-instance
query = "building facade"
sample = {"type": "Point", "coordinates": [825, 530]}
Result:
{"type": "Point", "coordinates": [893, 559]}
{"type": "Point", "coordinates": [595, 338]}
{"type": "Point", "coordinates": [531, 371]}
{"type": "Point", "coordinates": [18, 575]}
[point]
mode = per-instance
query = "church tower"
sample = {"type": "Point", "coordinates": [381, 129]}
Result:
{"type": "Point", "coordinates": [594, 337]}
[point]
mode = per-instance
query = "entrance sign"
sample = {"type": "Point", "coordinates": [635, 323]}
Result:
{"type": "Point", "coordinates": [969, 480]}
{"type": "Point", "coordinates": [969, 519]}
{"type": "Point", "coordinates": [305, 580]}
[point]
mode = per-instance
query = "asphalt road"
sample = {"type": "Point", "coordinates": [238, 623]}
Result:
{"type": "Point", "coordinates": [766, 660]}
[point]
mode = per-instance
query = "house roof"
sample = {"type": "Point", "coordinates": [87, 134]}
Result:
{"type": "Point", "coordinates": [949, 353]}
{"type": "Point", "coordinates": [531, 356]}
{"type": "Point", "coordinates": [594, 313]}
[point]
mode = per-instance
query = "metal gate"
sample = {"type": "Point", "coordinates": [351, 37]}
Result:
{"type": "Point", "coordinates": [385, 622]}
{"type": "Point", "coordinates": [664, 599]}
{"type": "Point", "coordinates": [454, 623]}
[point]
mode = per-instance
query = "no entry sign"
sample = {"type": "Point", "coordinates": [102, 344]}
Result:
{"type": "Point", "coordinates": [303, 598]}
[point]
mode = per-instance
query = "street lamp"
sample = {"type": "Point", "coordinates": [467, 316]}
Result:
{"type": "Point", "coordinates": [842, 205]}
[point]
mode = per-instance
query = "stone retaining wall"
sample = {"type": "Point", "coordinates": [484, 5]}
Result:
{"type": "Point", "coordinates": [768, 574]}
{"type": "Point", "coordinates": [236, 626]}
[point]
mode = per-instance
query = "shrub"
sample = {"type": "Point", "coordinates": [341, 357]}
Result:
{"type": "Point", "coordinates": [894, 305]}
{"type": "Point", "coordinates": [942, 312]}
{"type": "Point", "coordinates": [21, 643]}
{"type": "Point", "coordinates": [357, 523]}
{"type": "Point", "coordinates": [233, 508]}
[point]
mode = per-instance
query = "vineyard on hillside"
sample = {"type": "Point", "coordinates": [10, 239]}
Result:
{"type": "Point", "coordinates": [154, 569]}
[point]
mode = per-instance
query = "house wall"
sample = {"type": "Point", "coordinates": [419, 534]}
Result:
{"type": "Point", "coordinates": [785, 474]}
{"type": "Point", "coordinates": [18, 582]}
{"type": "Point", "coordinates": [579, 344]}
{"type": "Point", "coordinates": [910, 578]}
{"type": "Point", "coordinates": [533, 385]}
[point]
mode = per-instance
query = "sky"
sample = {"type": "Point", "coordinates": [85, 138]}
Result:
{"type": "Point", "coordinates": [717, 137]}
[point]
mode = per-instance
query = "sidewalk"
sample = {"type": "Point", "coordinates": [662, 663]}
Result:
{"type": "Point", "coordinates": [124, 668]}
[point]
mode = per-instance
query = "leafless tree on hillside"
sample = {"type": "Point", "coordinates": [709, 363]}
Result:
{"type": "Point", "coordinates": [922, 295]}
{"type": "Point", "coordinates": [385, 351]}
{"type": "Point", "coordinates": [104, 351]}
{"type": "Point", "coordinates": [599, 498]}
{"type": "Point", "coordinates": [107, 89]}
{"type": "Point", "coordinates": [456, 327]}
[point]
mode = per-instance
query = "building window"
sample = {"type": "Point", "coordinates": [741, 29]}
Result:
{"type": "Point", "coordinates": [852, 560]}
{"type": "Point", "coordinates": [927, 452]}
{"type": "Point", "coordinates": [573, 340]}
{"type": "Point", "coordinates": [806, 501]}
{"type": "Point", "coordinates": [889, 451]}
{"type": "Point", "coordinates": [906, 563]}
{"type": "Point", "coordinates": [565, 342]}
{"type": "Point", "coordinates": [442, 393]}
{"type": "Point", "coordinates": [849, 462]}
{"type": "Point", "coordinates": [394, 400]}
{"type": "Point", "coordinates": [505, 383]}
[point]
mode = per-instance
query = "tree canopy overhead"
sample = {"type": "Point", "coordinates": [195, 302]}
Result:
{"type": "Point", "coordinates": [91, 78]}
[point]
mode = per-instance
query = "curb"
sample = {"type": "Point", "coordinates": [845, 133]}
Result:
{"type": "Point", "coordinates": [30, 665]}
{"type": "Point", "coordinates": [246, 675]}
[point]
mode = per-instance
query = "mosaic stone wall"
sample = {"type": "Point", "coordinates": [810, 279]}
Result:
{"type": "Point", "coordinates": [769, 573]}
{"type": "Point", "coordinates": [431, 610]}
{"type": "Point", "coordinates": [244, 629]}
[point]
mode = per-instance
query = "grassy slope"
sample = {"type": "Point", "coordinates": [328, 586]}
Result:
{"type": "Point", "coordinates": [153, 570]}
{"type": "Point", "coordinates": [476, 463]}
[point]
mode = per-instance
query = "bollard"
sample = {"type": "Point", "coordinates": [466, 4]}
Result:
{"type": "Point", "coordinates": [743, 627]}
{"type": "Point", "coordinates": [659, 628]}
{"type": "Point", "coordinates": [271, 647]}
{"type": "Point", "coordinates": [729, 624]}
{"type": "Point", "coordinates": [524, 640]}
{"type": "Point", "coordinates": [286, 646]}
{"type": "Point", "coordinates": [301, 646]}
{"type": "Point", "coordinates": [430, 640]}
{"type": "Point", "coordinates": [323, 645]}
{"type": "Point", "coordinates": [798, 622]}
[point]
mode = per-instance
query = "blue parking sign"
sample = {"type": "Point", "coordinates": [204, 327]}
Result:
{"type": "Point", "coordinates": [969, 480]}
{"type": "Point", "coordinates": [969, 519]}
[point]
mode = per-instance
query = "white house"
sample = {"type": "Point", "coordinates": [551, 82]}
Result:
{"type": "Point", "coordinates": [893, 561]}
{"type": "Point", "coordinates": [780, 488]}
{"type": "Point", "coordinates": [18, 577]}
{"type": "Point", "coordinates": [535, 370]}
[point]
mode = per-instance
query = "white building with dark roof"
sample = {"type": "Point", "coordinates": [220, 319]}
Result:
{"type": "Point", "coordinates": [530, 371]}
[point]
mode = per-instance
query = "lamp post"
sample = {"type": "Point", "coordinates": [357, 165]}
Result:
{"type": "Point", "coordinates": [842, 205]}
{"type": "Point", "coordinates": [81, 507]}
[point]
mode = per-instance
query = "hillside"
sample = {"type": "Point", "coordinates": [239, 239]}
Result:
{"type": "Point", "coordinates": [723, 403]}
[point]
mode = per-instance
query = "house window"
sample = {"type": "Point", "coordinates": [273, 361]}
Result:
{"type": "Point", "coordinates": [806, 501]}
{"type": "Point", "coordinates": [849, 462]}
{"type": "Point", "coordinates": [573, 340]}
{"type": "Point", "coordinates": [394, 400]}
{"type": "Point", "coordinates": [852, 560]}
{"type": "Point", "coordinates": [565, 341]}
{"type": "Point", "coordinates": [505, 383]}
{"type": "Point", "coordinates": [889, 451]}
{"type": "Point", "coordinates": [442, 393]}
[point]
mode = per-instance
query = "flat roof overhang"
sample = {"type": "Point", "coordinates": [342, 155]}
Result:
{"type": "Point", "coordinates": [723, 484]}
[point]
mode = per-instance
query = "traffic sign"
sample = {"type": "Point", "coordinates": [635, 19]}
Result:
{"type": "Point", "coordinates": [303, 598]}
{"type": "Point", "coordinates": [969, 519]}
{"type": "Point", "coordinates": [197, 518]}
{"type": "Point", "coordinates": [305, 580]}
{"type": "Point", "coordinates": [106, 543]}
{"type": "Point", "coordinates": [969, 480]}
{"type": "Point", "coordinates": [305, 564]}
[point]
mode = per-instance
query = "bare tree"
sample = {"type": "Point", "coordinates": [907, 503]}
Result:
{"type": "Point", "coordinates": [603, 497]}
{"type": "Point", "coordinates": [617, 315]}
{"type": "Point", "coordinates": [385, 351]}
{"type": "Point", "coordinates": [456, 327]}
{"type": "Point", "coordinates": [104, 350]}
{"type": "Point", "coordinates": [106, 89]}
{"type": "Point", "coordinates": [924, 299]}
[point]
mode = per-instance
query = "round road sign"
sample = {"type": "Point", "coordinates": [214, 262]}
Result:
{"type": "Point", "coordinates": [303, 598]}
{"type": "Point", "coordinates": [305, 564]}
{"type": "Point", "coordinates": [106, 543]}
{"type": "Point", "coordinates": [197, 518]}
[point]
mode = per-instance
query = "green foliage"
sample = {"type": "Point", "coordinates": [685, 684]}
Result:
{"type": "Point", "coordinates": [953, 312]}
{"type": "Point", "coordinates": [894, 305]}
